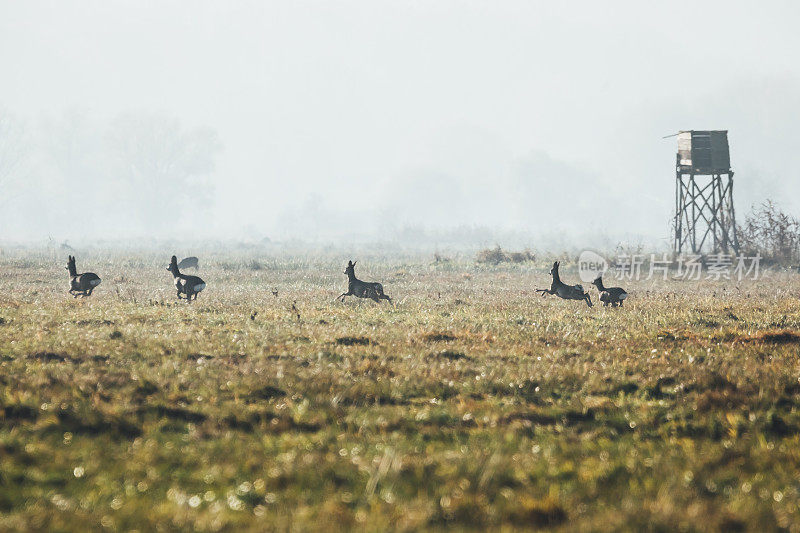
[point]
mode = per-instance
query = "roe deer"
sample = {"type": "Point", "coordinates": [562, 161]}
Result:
{"type": "Point", "coordinates": [610, 295]}
{"type": "Point", "coordinates": [81, 283]}
{"type": "Point", "coordinates": [188, 285]}
{"type": "Point", "coordinates": [362, 289]}
{"type": "Point", "coordinates": [564, 291]}
{"type": "Point", "coordinates": [189, 262]}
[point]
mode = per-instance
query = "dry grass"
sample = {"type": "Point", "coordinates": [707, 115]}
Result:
{"type": "Point", "coordinates": [471, 403]}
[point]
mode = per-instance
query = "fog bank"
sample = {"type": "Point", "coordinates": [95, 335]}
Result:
{"type": "Point", "coordinates": [524, 123]}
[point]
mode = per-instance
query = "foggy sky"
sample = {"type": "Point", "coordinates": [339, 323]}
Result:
{"type": "Point", "coordinates": [337, 119]}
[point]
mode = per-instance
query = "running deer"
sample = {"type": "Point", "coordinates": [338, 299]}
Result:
{"type": "Point", "coordinates": [362, 289]}
{"type": "Point", "coordinates": [564, 291]}
{"type": "Point", "coordinates": [82, 284]}
{"type": "Point", "coordinates": [610, 295]}
{"type": "Point", "coordinates": [188, 285]}
{"type": "Point", "coordinates": [189, 262]}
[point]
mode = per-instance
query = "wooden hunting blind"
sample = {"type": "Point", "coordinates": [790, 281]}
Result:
{"type": "Point", "coordinates": [704, 211]}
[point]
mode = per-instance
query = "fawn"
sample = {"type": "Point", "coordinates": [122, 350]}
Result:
{"type": "Point", "coordinates": [610, 295]}
{"type": "Point", "coordinates": [362, 289]}
{"type": "Point", "coordinates": [564, 291]}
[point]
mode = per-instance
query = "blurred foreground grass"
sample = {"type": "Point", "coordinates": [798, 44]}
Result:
{"type": "Point", "coordinates": [471, 403]}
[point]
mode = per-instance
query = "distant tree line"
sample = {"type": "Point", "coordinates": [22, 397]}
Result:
{"type": "Point", "coordinates": [141, 171]}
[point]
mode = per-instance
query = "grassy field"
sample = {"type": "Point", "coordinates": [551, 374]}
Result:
{"type": "Point", "coordinates": [471, 402]}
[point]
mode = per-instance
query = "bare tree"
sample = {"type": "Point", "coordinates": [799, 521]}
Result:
{"type": "Point", "coordinates": [164, 166]}
{"type": "Point", "coordinates": [75, 168]}
{"type": "Point", "coordinates": [14, 150]}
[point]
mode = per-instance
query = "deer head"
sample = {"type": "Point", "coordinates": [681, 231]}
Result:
{"type": "Point", "coordinates": [554, 271]}
{"type": "Point", "coordinates": [173, 265]}
{"type": "Point", "coordinates": [73, 271]}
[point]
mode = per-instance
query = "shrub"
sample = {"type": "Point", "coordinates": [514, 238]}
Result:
{"type": "Point", "coordinates": [494, 256]}
{"type": "Point", "coordinates": [770, 232]}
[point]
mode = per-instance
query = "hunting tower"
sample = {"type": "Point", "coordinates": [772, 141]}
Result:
{"type": "Point", "coordinates": [704, 212]}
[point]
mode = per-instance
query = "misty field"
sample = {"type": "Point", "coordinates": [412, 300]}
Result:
{"type": "Point", "coordinates": [469, 402]}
